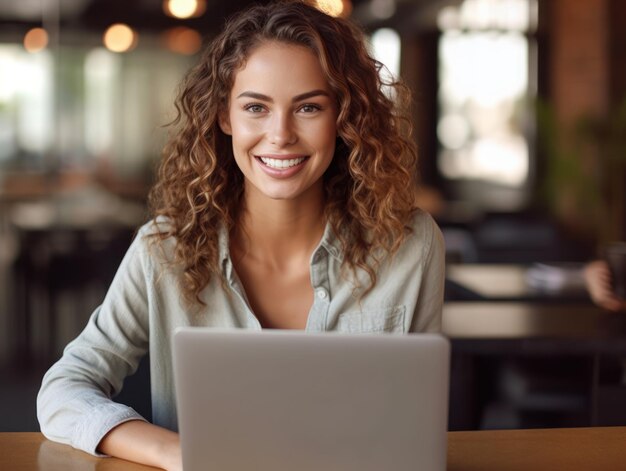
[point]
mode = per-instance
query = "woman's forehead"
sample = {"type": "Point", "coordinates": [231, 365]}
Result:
{"type": "Point", "coordinates": [281, 67]}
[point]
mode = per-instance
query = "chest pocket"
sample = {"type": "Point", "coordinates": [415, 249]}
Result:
{"type": "Point", "coordinates": [390, 319]}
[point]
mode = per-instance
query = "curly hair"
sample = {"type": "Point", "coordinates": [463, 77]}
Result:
{"type": "Point", "coordinates": [369, 186]}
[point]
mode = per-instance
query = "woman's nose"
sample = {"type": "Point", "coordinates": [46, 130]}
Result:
{"type": "Point", "coordinates": [282, 132]}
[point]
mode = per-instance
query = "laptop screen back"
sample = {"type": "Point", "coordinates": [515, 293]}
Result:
{"type": "Point", "coordinates": [284, 401]}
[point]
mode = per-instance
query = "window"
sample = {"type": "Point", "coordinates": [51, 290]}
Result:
{"type": "Point", "coordinates": [486, 83]}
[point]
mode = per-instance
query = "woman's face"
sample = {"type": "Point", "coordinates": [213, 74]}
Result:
{"type": "Point", "coordinates": [282, 119]}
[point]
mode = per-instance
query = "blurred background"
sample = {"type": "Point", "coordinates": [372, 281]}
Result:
{"type": "Point", "coordinates": [520, 118]}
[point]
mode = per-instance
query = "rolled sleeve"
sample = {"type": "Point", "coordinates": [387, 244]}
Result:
{"type": "Point", "coordinates": [95, 424]}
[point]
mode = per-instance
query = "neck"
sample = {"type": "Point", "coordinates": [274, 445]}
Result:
{"type": "Point", "coordinates": [279, 232]}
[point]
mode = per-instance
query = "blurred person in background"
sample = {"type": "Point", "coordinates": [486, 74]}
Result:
{"type": "Point", "coordinates": [599, 283]}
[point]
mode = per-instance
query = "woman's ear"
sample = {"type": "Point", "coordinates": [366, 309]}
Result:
{"type": "Point", "coordinates": [224, 122]}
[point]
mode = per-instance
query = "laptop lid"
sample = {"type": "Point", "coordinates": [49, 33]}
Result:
{"type": "Point", "coordinates": [289, 400]}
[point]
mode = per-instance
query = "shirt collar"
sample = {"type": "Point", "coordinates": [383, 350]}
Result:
{"type": "Point", "coordinates": [329, 241]}
{"type": "Point", "coordinates": [224, 252]}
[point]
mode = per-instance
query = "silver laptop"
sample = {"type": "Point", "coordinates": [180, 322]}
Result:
{"type": "Point", "coordinates": [295, 401]}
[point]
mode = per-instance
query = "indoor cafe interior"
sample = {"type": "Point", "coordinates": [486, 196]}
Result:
{"type": "Point", "coordinates": [519, 114]}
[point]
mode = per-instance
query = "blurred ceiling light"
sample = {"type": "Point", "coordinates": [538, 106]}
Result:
{"type": "Point", "coordinates": [184, 9]}
{"type": "Point", "coordinates": [516, 15]}
{"type": "Point", "coordinates": [334, 7]}
{"type": "Point", "coordinates": [182, 40]}
{"type": "Point", "coordinates": [449, 19]}
{"type": "Point", "coordinates": [35, 40]}
{"type": "Point", "coordinates": [120, 38]}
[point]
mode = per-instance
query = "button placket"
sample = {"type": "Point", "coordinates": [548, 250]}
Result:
{"type": "Point", "coordinates": [321, 300]}
{"type": "Point", "coordinates": [237, 288]}
{"type": "Point", "coordinates": [321, 293]}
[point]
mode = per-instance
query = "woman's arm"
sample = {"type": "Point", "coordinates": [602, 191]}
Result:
{"type": "Point", "coordinates": [144, 443]}
{"type": "Point", "coordinates": [74, 404]}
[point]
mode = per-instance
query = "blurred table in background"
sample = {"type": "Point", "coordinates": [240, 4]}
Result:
{"type": "Point", "coordinates": [533, 364]}
{"type": "Point", "coordinates": [516, 324]}
{"type": "Point", "coordinates": [516, 282]}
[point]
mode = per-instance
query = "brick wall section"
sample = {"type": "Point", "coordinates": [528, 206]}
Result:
{"type": "Point", "coordinates": [580, 65]}
{"type": "Point", "coordinates": [617, 50]}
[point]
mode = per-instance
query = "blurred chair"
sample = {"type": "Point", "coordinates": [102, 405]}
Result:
{"type": "Point", "coordinates": [56, 263]}
{"type": "Point", "coordinates": [460, 245]}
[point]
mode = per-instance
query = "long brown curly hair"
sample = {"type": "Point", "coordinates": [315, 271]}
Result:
{"type": "Point", "coordinates": [369, 186]}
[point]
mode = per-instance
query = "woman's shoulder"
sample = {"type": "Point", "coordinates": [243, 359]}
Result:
{"type": "Point", "coordinates": [422, 223]}
{"type": "Point", "coordinates": [421, 253]}
{"type": "Point", "coordinates": [158, 226]}
{"type": "Point", "coordinates": [424, 233]}
{"type": "Point", "coordinates": [155, 238]}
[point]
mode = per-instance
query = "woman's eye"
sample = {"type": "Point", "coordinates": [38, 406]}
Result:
{"type": "Point", "coordinates": [254, 108]}
{"type": "Point", "coordinates": [309, 108]}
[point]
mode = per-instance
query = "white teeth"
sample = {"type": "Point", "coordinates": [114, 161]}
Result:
{"type": "Point", "coordinates": [282, 163]}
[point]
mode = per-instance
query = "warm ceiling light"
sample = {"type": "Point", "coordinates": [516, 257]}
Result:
{"type": "Point", "coordinates": [120, 38]}
{"type": "Point", "coordinates": [334, 7]}
{"type": "Point", "coordinates": [182, 40]}
{"type": "Point", "coordinates": [35, 40]}
{"type": "Point", "coordinates": [184, 8]}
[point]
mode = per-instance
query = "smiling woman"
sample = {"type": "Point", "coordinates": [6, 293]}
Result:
{"type": "Point", "coordinates": [284, 200]}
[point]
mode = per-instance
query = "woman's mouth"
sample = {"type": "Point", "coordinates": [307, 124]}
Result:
{"type": "Point", "coordinates": [282, 166]}
{"type": "Point", "coordinates": [282, 163]}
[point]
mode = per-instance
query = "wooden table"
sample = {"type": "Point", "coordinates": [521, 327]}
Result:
{"type": "Point", "coordinates": [584, 449]}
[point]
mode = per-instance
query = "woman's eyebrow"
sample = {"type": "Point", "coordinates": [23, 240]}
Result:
{"type": "Point", "coordinates": [303, 96]}
{"type": "Point", "coordinates": [310, 94]}
{"type": "Point", "coordinates": [256, 96]}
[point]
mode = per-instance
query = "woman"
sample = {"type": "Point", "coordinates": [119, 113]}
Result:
{"type": "Point", "coordinates": [285, 200]}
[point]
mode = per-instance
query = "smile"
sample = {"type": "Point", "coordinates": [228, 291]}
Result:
{"type": "Point", "coordinates": [282, 163]}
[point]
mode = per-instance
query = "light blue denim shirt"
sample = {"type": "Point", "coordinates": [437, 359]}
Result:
{"type": "Point", "coordinates": [144, 305]}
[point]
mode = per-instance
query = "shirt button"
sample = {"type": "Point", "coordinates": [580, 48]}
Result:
{"type": "Point", "coordinates": [321, 293]}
